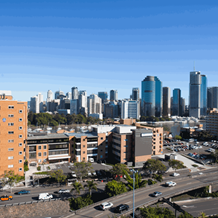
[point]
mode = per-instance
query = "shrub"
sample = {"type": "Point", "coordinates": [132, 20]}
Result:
{"type": "Point", "coordinates": [80, 202]}
{"type": "Point", "coordinates": [48, 168]}
{"type": "Point", "coordinates": [39, 168]}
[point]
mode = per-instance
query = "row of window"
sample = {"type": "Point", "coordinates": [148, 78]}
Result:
{"type": "Point", "coordinates": [12, 124]}
{"type": "Point", "coordinates": [12, 107]}
{"type": "Point", "coordinates": [12, 115]}
{"type": "Point", "coordinates": [11, 149]}
{"type": "Point", "coordinates": [11, 166]}
{"type": "Point", "coordinates": [12, 132]}
{"type": "Point", "coordinates": [12, 157]}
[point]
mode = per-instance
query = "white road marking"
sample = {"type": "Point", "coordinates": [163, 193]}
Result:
{"type": "Point", "coordinates": [99, 214]}
{"type": "Point", "coordinates": [128, 202]}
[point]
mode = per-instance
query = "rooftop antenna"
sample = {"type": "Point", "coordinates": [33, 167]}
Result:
{"type": "Point", "coordinates": [194, 65]}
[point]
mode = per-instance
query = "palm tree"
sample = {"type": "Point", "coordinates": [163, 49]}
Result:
{"type": "Point", "coordinates": [91, 185]}
{"type": "Point", "coordinates": [77, 186]}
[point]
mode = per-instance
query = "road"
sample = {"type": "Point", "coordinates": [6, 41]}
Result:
{"type": "Point", "coordinates": [208, 206]}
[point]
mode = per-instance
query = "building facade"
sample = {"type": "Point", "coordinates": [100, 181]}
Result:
{"type": "Point", "coordinates": [130, 109]}
{"type": "Point", "coordinates": [166, 102]}
{"type": "Point", "coordinates": [212, 97]}
{"type": "Point", "coordinates": [113, 95]}
{"type": "Point", "coordinates": [176, 104]}
{"type": "Point", "coordinates": [135, 94]}
{"type": "Point", "coordinates": [212, 122]}
{"type": "Point", "coordinates": [13, 133]}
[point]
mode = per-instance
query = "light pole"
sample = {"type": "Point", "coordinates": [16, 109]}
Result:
{"type": "Point", "coordinates": [133, 203]}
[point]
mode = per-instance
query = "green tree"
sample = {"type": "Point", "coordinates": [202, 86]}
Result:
{"type": "Point", "coordinates": [82, 168]}
{"type": "Point", "coordinates": [202, 215]}
{"type": "Point", "coordinates": [118, 170]}
{"type": "Point", "coordinates": [91, 185]}
{"type": "Point", "coordinates": [80, 202]}
{"type": "Point", "coordinates": [115, 188]}
{"type": "Point", "coordinates": [77, 186]}
{"type": "Point", "coordinates": [152, 166]}
{"type": "Point", "coordinates": [178, 137]}
{"type": "Point", "coordinates": [176, 164]}
{"type": "Point", "coordinates": [185, 215]}
{"type": "Point", "coordinates": [10, 178]}
{"type": "Point", "coordinates": [26, 168]}
{"type": "Point", "coordinates": [158, 177]}
{"type": "Point", "coordinates": [58, 175]}
{"type": "Point", "coordinates": [138, 181]}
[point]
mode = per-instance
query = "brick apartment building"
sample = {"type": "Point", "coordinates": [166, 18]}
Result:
{"type": "Point", "coordinates": [13, 132]}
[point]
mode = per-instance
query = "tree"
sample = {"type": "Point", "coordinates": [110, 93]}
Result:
{"type": "Point", "coordinates": [58, 175]}
{"type": "Point", "coordinates": [115, 188]}
{"type": "Point", "coordinates": [80, 202]}
{"type": "Point", "coordinates": [77, 186]}
{"type": "Point", "coordinates": [178, 137]}
{"type": "Point", "coordinates": [91, 185]}
{"type": "Point", "coordinates": [118, 170]}
{"type": "Point", "coordinates": [10, 178]}
{"type": "Point", "coordinates": [157, 177]}
{"type": "Point", "coordinates": [154, 166]}
{"type": "Point", "coordinates": [82, 168]}
{"type": "Point", "coordinates": [176, 164]}
{"type": "Point", "coordinates": [26, 168]}
{"type": "Point", "coordinates": [202, 215]}
{"type": "Point", "coordinates": [138, 181]}
{"type": "Point", "coordinates": [185, 215]}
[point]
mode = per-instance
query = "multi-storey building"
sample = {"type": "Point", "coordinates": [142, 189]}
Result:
{"type": "Point", "coordinates": [94, 104]}
{"type": "Point", "coordinates": [75, 93]}
{"type": "Point", "coordinates": [212, 97]}
{"type": "Point", "coordinates": [113, 95]}
{"type": "Point", "coordinates": [166, 102]}
{"type": "Point", "coordinates": [176, 106]}
{"type": "Point", "coordinates": [135, 94]}
{"type": "Point", "coordinates": [212, 122]}
{"type": "Point", "coordinates": [13, 132]}
{"type": "Point", "coordinates": [34, 104]}
{"type": "Point", "coordinates": [130, 109]}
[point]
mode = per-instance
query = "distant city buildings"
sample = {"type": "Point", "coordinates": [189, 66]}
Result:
{"type": "Point", "coordinates": [212, 97]}
{"type": "Point", "coordinates": [135, 94]}
{"type": "Point", "coordinates": [166, 102]}
{"type": "Point", "coordinates": [113, 95]}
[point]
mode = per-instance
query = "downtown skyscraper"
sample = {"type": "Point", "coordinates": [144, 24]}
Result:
{"type": "Point", "coordinates": [197, 94]}
{"type": "Point", "coordinates": [151, 97]}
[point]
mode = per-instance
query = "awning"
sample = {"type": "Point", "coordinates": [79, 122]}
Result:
{"type": "Point", "coordinates": [58, 157]}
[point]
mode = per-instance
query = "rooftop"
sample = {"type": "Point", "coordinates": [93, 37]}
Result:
{"type": "Point", "coordinates": [79, 135]}
{"type": "Point", "coordinates": [50, 136]}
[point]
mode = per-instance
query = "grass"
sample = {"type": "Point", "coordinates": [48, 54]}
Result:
{"type": "Point", "coordinates": [41, 173]}
{"type": "Point", "coordinates": [194, 165]}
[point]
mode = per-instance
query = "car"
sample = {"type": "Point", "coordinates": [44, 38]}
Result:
{"type": "Point", "coordinates": [156, 194]}
{"type": "Point", "coordinates": [175, 174]}
{"type": "Point", "coordinates": [122, 207]}
{"type": "Point", "coordinates": [6, 198]}
{"type": "Point", "coordinates": [62, 191]}
{"type": "Point", "coordinates": [22, 192]}
{"type": "Point", "coordinates": [170, 184]}
{"type": "Point", "coordinates": [74, 174]}
{"type": "Point", "coordinates": [99, 161]}
{"type": "Point", "coordinates": [106, 205]}
{"type": "Point", "coordinates": [44, 196]}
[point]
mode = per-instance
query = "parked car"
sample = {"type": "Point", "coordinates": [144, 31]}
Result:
{"type": "Point", "coordinates": [22, 192]}
{"type": "Point", "coordinates": [170, 184]}
{"type": "Point", "coordinates": [62, 191]}
{"type": "Point", "coordinates": [122, 207]}
{"type": "Point", "coordinates": [175, 174]}
{"type": "Point", "coordinates": [106, 205]}
{"type": "Point", "coordinates": [43, 196]}
{"type": "Point", "coordinates": [156, 194]}
{"type": "Point", "coordinates": [6, 198]}
{"type": "Point", "coordinates": [74, 174]}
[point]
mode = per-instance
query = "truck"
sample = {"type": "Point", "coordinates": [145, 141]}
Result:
{"type": "Point", "coordinates": [43, 196]}
{"type": "Point", "coordinates": [170, 184]}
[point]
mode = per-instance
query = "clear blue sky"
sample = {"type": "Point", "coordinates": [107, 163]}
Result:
{"type": "Point", "coordinates": [99, 45]}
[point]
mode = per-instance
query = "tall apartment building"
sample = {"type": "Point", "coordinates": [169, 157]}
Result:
{"type": "Point", "coordinates": [49, 96]}
{"type": "Point", "coordinates": [94, 104]}
{"type": "Point", "coordinates": [75, 93]}
{"type": "Point", "coordinates": [212, 122]}
{"type": "Point", "coordinates": [212, 97]}
{"type": "Point", "coordinates": [113, 95]}
{"type": "Point", "coordinates": [166, 102]}
{"type": "Point", "coordinates": [34, 104]}
{"type": "Point", "coordinates": [111, 110]}
{"type": "Point", "coordinates": [82, 103]}
{"type": "Point", "coordinates": [176, 104]}
{"type": "Point", "coordinates": [103, 96]}
{"type": "Point", "coordinates": [130, 109]}
{"type": "Point", "coordinates": [135, 94]}
{"type": "Point", "coordinates": [151, 99]}
{"type": "Point", "coordinates": [197, 94]}
{"type": "Point", "coordinates": [69, 95]}
{"type": "Point", "coordinates": [59, 95]}
{"type": "Point", "coordinates": [13, 133]}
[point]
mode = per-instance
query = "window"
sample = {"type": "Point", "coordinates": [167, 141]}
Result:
{"type": "Point", "coordinates": [101, 156]}
{"type": "Point", "coordinates": [101, 138]}
{"type": "Point", "coordinates": [20, 169]}
{"type": "Point", "coordinates": [10, 115]}
{"type": "Point", "coordinates": [101, 150]}
{"type": "Point", "coordinates": [20, 161]}
{"type": "Point", "coordinates": [44, 146]}
{"type": "Point", "coordinates": [10, 149]}
{"type": "Point", "coordinates": [20, 152]}
{"type": "Point", "coordinates": [20, 111]}
{"type": "Point", "coordinates": [83, 158]}
{"type": "Point", "coordinates": [125, 140]}
{"type": "Point", "coordinates": [39, 147]}
{"type": "Point", "coordinates": [84, 139]}
{"type": "Point", "coordinates": [20, 136]}
{"type": "Point", "coordinates": [39, 154]}
{"type": "Point", "coordinates": [126, 146]}
{"type": "Point", "coordinates": [20, 144]}
{"type": "Point", "coordinates": [84, 152]}
{"type": "Point", "coordinates": [20, 119]}
{"type": "Point", "coordinates": [10, 132]}
{"type": "Point", "coordinates": [153, 147]}
{"type": "Point", "coordinates": [10, 166]}
{"type": "Point", "coordinates": [10, 158]}
{"type": "Point", "coordinates": [10, 124]}
{"type": "Point", "coordinates": [84, 146]}
{"type": "Point", "coordinates": [11, 107]}
{"type": "Point", "coordinates": [44, 153]}
{"type": "Point", "coordinates": [39, 160]}
{"type": "Point", "coordinates": [20, 127]}
{"type": "Point", "coordinates": [10, 140]}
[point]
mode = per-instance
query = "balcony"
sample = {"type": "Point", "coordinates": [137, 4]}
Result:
{"type": "Point", "coordinates": [58, 154]}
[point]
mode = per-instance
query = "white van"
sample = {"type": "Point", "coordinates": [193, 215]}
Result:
{"type": "Point", "coordinates": [43, 196]}
{"type": "Point", "coordinates": [91, 160]}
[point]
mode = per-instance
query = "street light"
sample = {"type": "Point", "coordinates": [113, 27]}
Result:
{"type": "Point", "coordinates": [134, 171]}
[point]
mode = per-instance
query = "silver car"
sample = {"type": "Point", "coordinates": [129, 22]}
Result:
{"type": "Point", "coordinates": [62, 191]}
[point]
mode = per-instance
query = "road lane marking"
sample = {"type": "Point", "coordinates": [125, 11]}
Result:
{"type": "Point", "coordinates": [99, 214]}
{"type": "Point", "coordinates": [128, 202]}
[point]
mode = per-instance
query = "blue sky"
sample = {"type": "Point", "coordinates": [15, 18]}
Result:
{"type": "Point", "coordinates": [100, 45]}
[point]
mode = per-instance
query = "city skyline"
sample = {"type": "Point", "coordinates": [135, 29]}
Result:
{"type": "Point", "coordinates": [105, 45]}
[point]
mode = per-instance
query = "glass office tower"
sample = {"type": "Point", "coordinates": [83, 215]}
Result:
{"type": "Point", "coordinates": [203, 95]}
{"type": "Point", "coordinates": [158, 97]}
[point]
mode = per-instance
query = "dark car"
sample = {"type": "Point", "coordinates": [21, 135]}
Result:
{"type": "Point", "coordinates": [99, 161]}
{"type": "Point", "coordinates": [156, 194]}
{"type": "Point", "coordinates": [121, 208]}
{"type": "Point", "coordinates": [23, 192]}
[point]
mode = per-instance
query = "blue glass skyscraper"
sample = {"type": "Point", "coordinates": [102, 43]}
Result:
{"type": "Point", "coordinates": [151, 97]}
{"type": "Point", "coordinates": [176, 106]}
{"type": "Point", "coordinates": [203, 95]}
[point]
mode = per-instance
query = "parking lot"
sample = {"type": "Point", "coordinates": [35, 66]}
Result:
{"type": "Point", "coordinates": [201, 151]}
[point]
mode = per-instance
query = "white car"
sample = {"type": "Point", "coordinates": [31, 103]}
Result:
{"type": "Point", "coordinates": [106, 205]}
{"type": "Point", "coordinates": [175, 174]}
{"type": "Point", "coordinates": [61, 191]}
{"type": "Point", "coordinates": [170, 184]}
{"type": "Point", "coordinates": [73, 174]}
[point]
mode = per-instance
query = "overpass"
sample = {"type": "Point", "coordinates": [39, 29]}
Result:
{"type": "Point", "coordinates": [143, 198]}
